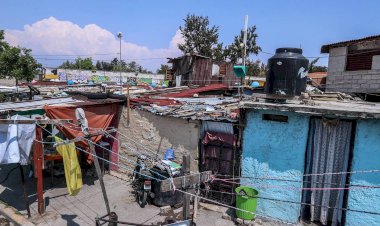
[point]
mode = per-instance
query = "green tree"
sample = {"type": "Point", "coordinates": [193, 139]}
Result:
{"type": "Point", "coordinates": [234, 52]}
{"type": "Point", "coordinates": [162, 69]}
{"type": "Point", "coordinates": [315, 68]}
{"type": "Point", "coordinates": [133, 66]}
{"type": "Point", "coordinates": [84, 64]}
{"type": "Point", "coordinates": [17, 63]}
{"type": "Point", "coordinates": [198, 35]}
{"type": "Point", "coordinates": [3, 43]}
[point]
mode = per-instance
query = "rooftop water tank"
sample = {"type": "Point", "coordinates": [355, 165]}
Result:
{"type": "Point", "coordinates": [287, 71]}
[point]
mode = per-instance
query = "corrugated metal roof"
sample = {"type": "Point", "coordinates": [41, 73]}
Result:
{"type": "Point", "coordinates": [326, 48]}
{"type": "Point", "coordinates": [34, 104]}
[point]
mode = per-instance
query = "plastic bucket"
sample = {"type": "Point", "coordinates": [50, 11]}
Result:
{"type": "Point", "coordinates": [246, 202]}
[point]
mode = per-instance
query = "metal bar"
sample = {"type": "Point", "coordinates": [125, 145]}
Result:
{"type": "Point", "coordinates": [100, 176]}
{"type": "Point", "coordinates": [32, 121]}
{"type": "Point", "coordinates": [186, 198]}
{"type": "Point", "coordinates": [26, 200]}
{"type": "Point", "coordinates": [83, 138]}
{"type": "Point", "coordinates": [38, 158]}
{"type": "Point", "coordinates": [128, 105]}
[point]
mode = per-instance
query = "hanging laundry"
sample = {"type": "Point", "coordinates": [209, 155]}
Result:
{"type": "Point", "coordinates": [16, 141]}
{"type": "Point", "coordinates": [73, 173]}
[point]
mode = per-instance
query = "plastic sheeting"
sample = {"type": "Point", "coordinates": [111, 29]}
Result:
{"type": "Point", "coordinates": [99, 115]}
{"type": "Point", "coordinates": [16, 141]}
{"type": "Point", "coordinates": [219, 127]}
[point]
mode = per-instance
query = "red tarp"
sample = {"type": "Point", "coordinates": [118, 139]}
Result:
{"type": "Point", "coordinates": [99, 115]}
{"type": "Point", "coordinates": [191, 92]}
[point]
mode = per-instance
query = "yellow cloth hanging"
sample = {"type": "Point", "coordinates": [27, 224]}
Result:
{"type": "Point", "coordinates": [73, 171]}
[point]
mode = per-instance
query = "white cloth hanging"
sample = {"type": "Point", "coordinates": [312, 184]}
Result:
{"type": "Point", "coordinates": [16, 141]}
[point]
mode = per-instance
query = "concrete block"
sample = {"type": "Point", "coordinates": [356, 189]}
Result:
{"type": "Point", "coordinates": [338, 51]}
{"type": "Point", "coordinates": [363, 81]}
{"type": "Point", "coordinates": [368, 77]}
{"type": "Point", "coordinates": [177, 211]}
{"type": "Point", "coordinates": [375, 76]}
{"type": "Point", "coordinates": [374, 86]}
{"type": "Point", "coordinates": [239, 221]}
{"type": "Point", "coordinates": [364, 86]}
{"type": "Point", "coordinates": [376, 62]}
{"type": "Point", "coordinates": [226, 216]}
{"type": "Point", "coordinates": [165, 209]}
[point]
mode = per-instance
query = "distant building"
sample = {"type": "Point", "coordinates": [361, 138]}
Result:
{"type": "Point", "coordinates": [318, 79]}
{"type": "Point", "coordinates": [354, 66]}
{"type": "Point", "coordinates": [200, 70]}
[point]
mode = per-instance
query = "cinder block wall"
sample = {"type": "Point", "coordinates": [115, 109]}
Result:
{"type": "Point", "coordinates": [338, 79]}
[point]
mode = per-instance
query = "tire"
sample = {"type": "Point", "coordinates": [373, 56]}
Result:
{"type": "Point", "coordinates": [143, 196]}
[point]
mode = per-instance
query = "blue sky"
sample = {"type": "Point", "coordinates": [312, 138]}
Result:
{"type": "Point", "coordinates": [152, 24]}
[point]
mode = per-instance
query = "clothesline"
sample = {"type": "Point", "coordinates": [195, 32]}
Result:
{"type": "Point", "coordinates": [293, 202]}
{"type": "Point", "coordinates": [111, 152]}
{"type": "Point", "coordinates": [197, 196]}
{"type": "Point", "coordinates": [252, 184]}
{"type": "Point", "coordinates": [230, 180]}
{"type": "Point", "coordinates": [265, 186]}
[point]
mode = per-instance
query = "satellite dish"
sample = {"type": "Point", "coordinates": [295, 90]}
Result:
{"type": "Point", "coordinates": [82, 121]}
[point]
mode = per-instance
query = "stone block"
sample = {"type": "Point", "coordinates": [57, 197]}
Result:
{"type": "Point", "coordinates": [226, 216]}
{"type": "Point", "coordinates": [367, 77]}
{"type": "Point", "coordinates": [165, 209]}
{"type": "Point", "coordinates": [239, 221]}
{"type": "Point", "coordinates": [363, 81]}
{"type": "Point", "coordinates": [374, 86]}
{"type": "Point", "coordinates": [375, 76]}
{"type": "Point", "coordinates": [366, 86]}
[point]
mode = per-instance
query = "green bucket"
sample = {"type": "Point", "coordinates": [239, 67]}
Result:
{"type": "Point", "coordinates": [247, 202]}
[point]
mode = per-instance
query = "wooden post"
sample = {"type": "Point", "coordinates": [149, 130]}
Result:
{"type": "Point", "coordinates": [100, 176]}
{"type": "Point", "coordinates": [26, 200]}
{"type": "Point", "coordinates": [38, 158]}
{"type": "Point", "coordinates": [186, 198]}
{"type": "Point", "coordinates": [128, 106]}
{"type": "Point", "coordinates": [195, 205]}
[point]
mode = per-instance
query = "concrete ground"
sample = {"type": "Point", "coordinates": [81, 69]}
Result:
{"type": "Point", "coordinates": [62, 209]}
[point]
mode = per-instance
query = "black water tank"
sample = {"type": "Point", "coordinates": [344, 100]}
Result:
{"type": "Point", "coordinates": [287, 71]}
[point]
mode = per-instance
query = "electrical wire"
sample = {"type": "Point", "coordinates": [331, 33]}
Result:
{"type": "Point", "coordinates": [292, 202]}
{"type": "Point", "coordinates": [187, 193]}
{"type": "Point", "coordinates": [117, 154]}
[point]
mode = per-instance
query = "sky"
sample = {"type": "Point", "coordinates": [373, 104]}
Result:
{"type": "Point", "coordinates": [57, 30]}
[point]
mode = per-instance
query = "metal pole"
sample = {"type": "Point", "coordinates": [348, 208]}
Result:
{"type": "Point", "coordinates": [100, 176]}
{"type": "Point", "coordinates": [244, 51]}
{"type": "Point", "coordinates": [26, 200]}
{"type": "Point", "coordinates": [128, 106]}
{"type": "Point", "coordinates": [120, 35]}
{"type": "Point", "coordinates": [186, 198]}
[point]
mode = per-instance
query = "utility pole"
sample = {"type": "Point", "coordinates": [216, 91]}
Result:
{"type": "Point", "coordinates": [244, 51]}
{"type": "Point", "coordinates": [120, 35]}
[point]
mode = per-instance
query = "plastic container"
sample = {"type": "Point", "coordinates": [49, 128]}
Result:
{"type": "Point", "coordinates": [247, 202]}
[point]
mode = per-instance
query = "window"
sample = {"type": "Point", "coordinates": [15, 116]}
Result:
{"type": "Point", "coordinates": [277, 118]}
{"type": "Point", "coordinates": [360, 59]}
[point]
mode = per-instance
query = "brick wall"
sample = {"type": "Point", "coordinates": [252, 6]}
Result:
{"type": "Point", "coordinates": [338, 79]}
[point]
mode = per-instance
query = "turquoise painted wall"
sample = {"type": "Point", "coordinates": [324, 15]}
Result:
{"type": "Point", "coordinates": [275, 150]}
{"type": "Point", "coordinates": [366, 156]}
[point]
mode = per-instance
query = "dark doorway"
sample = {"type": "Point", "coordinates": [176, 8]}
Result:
{"type": "Point", "coordinates": [218, 152]}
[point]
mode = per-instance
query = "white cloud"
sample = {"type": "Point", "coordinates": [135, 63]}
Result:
{"type": "Point", "coordinates": [52, 37]}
